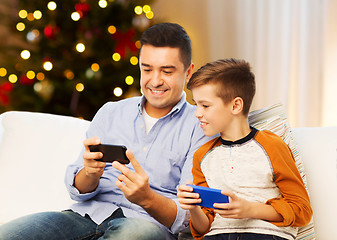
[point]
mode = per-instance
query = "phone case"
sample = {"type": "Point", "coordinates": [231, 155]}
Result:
{"type": "Point", "coordinates": [111, 153]}
{"type": "Point", "coordinates": [209, 196]}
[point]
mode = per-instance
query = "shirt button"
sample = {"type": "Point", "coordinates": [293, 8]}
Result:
{"type": "Point", "coordinates": [144, 149]}
{"type": "Point", "coordinates": [142, 126]}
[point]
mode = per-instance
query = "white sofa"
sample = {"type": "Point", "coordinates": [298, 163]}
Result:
{"type": "Point", "coordinates": [35, 149]}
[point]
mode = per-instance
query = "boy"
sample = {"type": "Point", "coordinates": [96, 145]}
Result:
{"type": "Point", "coordinates": [254, 168]}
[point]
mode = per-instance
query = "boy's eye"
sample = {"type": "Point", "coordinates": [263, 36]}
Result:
{"type": "Point", "coordinates": [205, 106]}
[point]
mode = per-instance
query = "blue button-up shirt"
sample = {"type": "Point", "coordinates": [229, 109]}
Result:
{"type": "Point", "coordinates": [165, 153]}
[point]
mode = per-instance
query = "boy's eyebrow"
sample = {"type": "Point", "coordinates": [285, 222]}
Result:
{"type": "Point", "coordinates": [145, 65]}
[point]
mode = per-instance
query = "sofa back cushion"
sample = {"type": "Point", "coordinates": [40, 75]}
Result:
{"type": "Point", "coordinates": [35, 149]}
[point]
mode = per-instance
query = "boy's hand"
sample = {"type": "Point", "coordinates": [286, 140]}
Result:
{"type": "Point", "coordinates": [187, 198]}
{"type": "Point", "coordinates": [236, 208]}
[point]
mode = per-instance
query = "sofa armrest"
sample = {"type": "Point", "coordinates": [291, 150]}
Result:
{"type": "Point", "coordinates": [35, 149]}
{"type": "Point", "coordinates": [318, 149]}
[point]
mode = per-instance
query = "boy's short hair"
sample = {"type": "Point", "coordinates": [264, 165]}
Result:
{"type": "Point", "coordinates": [233, 77]}
{"type": "Point", "coordinates": [169, 35]}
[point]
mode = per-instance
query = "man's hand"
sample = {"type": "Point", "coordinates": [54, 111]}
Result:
{"type": "Point", "coordinates": [135, 185]}
{"type": "Point", "coordinates": [93, 169]}
{"type": "Point", "coordinates": [87, 179]}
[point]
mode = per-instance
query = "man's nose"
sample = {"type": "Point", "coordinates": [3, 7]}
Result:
{"type": "Point", "coordinates": [157, 79]}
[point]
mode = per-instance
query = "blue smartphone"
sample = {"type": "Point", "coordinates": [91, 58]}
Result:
{"type": "Point", "coordinates": [209, 196]}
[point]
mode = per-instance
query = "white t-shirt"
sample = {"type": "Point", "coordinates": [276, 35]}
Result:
{"type": "Point", "coordinates": [149, 121]}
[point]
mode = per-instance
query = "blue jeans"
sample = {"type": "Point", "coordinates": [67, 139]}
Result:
{"type": "Point", "coordinates": [242, 236]}
{"type": "Point", "coordinates": [70, 225]}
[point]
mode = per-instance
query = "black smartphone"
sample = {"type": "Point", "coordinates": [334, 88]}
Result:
{"type": "Point", "coordinates": [111, 153]}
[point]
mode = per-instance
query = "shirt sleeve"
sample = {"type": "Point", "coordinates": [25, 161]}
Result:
{"type": "Point", "coordinates": [294, 203]}
{"type": "Point", "coordinates": [75, 195]}
{"type": "Point", "coordinates": [73, 169]}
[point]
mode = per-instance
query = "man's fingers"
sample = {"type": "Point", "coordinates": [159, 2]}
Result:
{"type": "Point", "coordinates": [135, 163]}
{"type": "Point", "coordinates": [91, 141]}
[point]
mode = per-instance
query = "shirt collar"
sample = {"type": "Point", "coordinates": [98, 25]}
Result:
{"type": "Point", "coordinates": [174, 110]}
{"type": "Point", "coordinates": [242, 140]}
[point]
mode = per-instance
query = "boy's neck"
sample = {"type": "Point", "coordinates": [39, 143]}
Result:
{"type": "Point", "coordinates": [236, 131]}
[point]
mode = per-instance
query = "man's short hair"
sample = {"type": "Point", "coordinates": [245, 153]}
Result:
{"type": "Point", "coordinates": [233, 78]}
{"type": "Point", "coordinates": [169, 35]}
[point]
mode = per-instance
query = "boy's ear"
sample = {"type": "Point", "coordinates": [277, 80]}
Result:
{"type": "Point", "coordinates": [237, 105]}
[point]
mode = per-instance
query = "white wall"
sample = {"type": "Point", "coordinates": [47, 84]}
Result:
{"type": "Point", "coordinates": [291, 46]}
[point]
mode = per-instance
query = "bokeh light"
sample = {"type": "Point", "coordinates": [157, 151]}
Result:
{"type": "Point", "coordinates": [138, 10]}
{"type": "Point", "coordinates": [3, 72]}
{"type": "Point", "coordinates": [52, 6]}
{"type": "Point", "coordinates": [75, 16]}
{"type": "Point", "coordinates": [30, 74]}
{"type": "Point", "coordinates": [103, 3]}
{"type": "Point", "coordinates": [116, 57]}
{"type": "Point", "coordinates": [79, 87]}
{"type": "Point", "coordinates": [134, 60]}
{"type": "Point", "coordinates": [40, 76]}
{"type": "Point", "coordinates": [47, 65]}
{"type": "Point", "coordinates": [129, 80]}
{"type": "Point", "coordinates": [146, 8]}
{"type": "Point", "coordinates": [25, 54]}
{"type": "Point", "coordinates": [112, 29]}
{"type": "Point", "coordinates": [12, 78]}
{"type": "Point", "coordinates": [69, 74]}
{"type": "Point", "coordinates": [23, 14]}
{"type": "Point", "coordinates": [95, 67]}
{"type": "Point", "coordinates": [80, 47]}
{"type": "Point", "coordinates": [118, 92]}
{"type": "Point", "coordinates": [20, 26]}
{"type": "Point", "coordinates": [37, 14]}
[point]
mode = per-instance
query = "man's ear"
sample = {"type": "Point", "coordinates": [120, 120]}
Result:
{"type": "Point", "coordinates": [237, 105]}
{"type": "Point", "coordinates": [189, 72]}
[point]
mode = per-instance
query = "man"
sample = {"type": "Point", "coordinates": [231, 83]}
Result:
{"type": "Point", "coordinates": [138, 200]}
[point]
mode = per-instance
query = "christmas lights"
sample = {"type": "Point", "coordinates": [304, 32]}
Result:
{"type": "Point", "coordinates": [79, 54]}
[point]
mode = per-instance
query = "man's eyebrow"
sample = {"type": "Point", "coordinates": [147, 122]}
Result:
{"type": "Point", "coordinates": [162, 67]}
{"type": "Point", "coordinates": [168, 67]}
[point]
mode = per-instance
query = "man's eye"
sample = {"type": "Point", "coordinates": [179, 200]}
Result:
{"type": "Point", "coordinates": [146, 70]}
{"type": "Point", "coordinates": [167, 72]}
{"type": "Point", "coordinates": [205, 106]}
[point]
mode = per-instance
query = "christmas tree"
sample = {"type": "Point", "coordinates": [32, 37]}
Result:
{"type": "Point", "coordinates": [74, 55]}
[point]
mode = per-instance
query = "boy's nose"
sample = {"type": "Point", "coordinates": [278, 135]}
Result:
{"type": "Point", "coordinates": [198, 113]}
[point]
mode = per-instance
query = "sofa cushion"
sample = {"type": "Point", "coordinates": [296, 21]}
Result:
{"type": "Point", "coordinates": [35, 149]}
{"type": "Point", "coordinates": [274, 119]}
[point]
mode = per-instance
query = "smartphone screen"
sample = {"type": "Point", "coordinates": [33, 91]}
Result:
{"type": "Point", "coordinates": [111, 153]}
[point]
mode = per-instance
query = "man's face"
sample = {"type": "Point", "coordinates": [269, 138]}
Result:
{"type": "Point", "coordinates": [162, 78]}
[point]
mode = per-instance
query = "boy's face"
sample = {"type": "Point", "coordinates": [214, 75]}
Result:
{"type": "Point", "coordinates": [213, 114]}
{"type": "Point", "coordinates": [162, 78]}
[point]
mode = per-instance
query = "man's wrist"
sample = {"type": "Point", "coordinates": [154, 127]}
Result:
{"type": "Point", "coordinates": [149, 200]}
